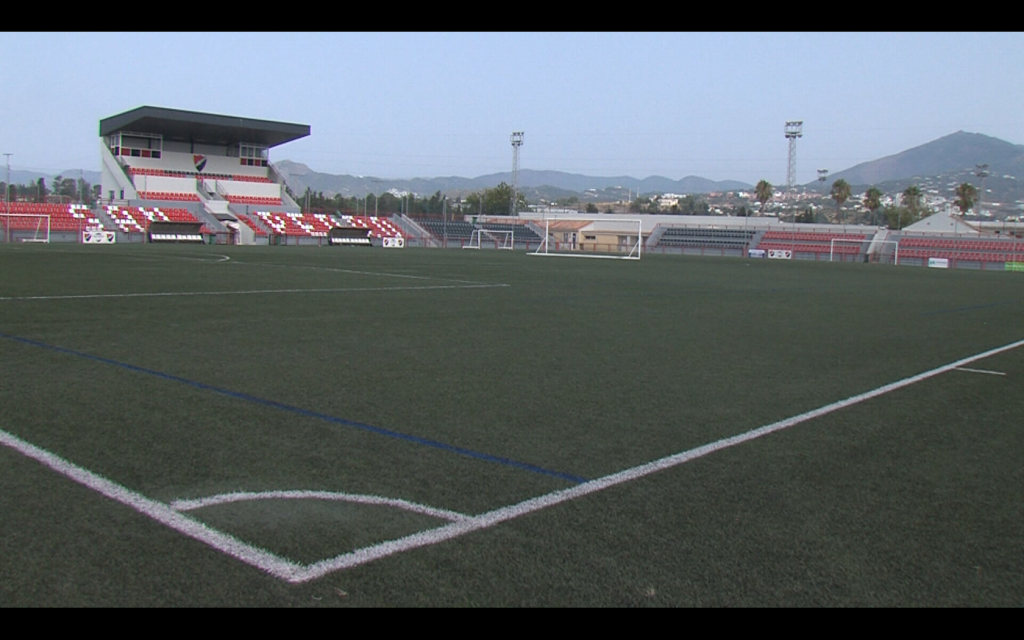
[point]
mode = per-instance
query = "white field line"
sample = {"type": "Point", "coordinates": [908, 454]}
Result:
{"type": "Point", "coordinates": [296, 573]}
{"type": "Point", "coordinates": [994, 373]}
{"type": "Point", "coordinates": [581, 255]}
{"type": "Point", "coordinates": [226, 498]}
{"type": "Point", "coordinates": [254, 556]}
{"type": "Point", "coordinates": [170, 294]}
{"type": "Point", "coordinates": [382, 274]}
{"type": "Point", "coordinates": [161, 258]}
{"type": "Point", "coordinates": [223, 258]}
{"type": "Point", "coordinates": [153, 257]}
{"type": "Point", "coordinates": [491, 518]}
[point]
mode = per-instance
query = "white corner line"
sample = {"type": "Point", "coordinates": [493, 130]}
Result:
{"type": "Point", "coordinates": [491, 518]}
{"type": "Point", "coordinates": [994, 373]}
{"type": "Point", "coordinates": [249, 554]}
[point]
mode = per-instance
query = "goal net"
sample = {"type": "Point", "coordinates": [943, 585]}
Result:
{"type": "Point", "coordinates": [25, 227]}
{"type": "Point", "coordinates": [852, 250]}
{"type": "Point", "coordinates": [486, 238]}
{"type": "Point", "coordinates": [598, 237]}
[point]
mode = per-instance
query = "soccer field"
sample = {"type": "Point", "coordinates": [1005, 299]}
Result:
{"type": "Point", "coordinates": [293, 426]}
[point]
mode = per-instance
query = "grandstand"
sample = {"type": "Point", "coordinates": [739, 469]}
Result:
{"type": "Point", "coordinates": [198, 168]}
{"type": "Point", "coordinates": [961, 251]}
{"type": "Point", "coordinates": [379, 226]}
{"type": "Point", "coordinates": [721, 241]}
{"type": "Point", "coordinates": [455, 232]}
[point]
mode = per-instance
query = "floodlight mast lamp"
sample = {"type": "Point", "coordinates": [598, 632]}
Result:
{"type": "Point", "coordinates": [794, 130]}
{"type": "Point", "coordinates": [517, 141]}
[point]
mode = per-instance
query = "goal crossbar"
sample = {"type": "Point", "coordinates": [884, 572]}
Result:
{"type": "Point", "coordinates": [503, 239]}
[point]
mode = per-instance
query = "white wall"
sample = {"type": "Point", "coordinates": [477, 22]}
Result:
{"type": "Point", "coordinates": [112, 178]}
{"type": "Point", "coordinates": [162, 183]}
{"type": "Point", "coordinates": [178, 161]}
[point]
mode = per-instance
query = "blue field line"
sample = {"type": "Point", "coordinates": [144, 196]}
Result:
{"type": "Point", "coordinates": [972, 308]}
{"type": "Point", "coordinates": [304, 412]}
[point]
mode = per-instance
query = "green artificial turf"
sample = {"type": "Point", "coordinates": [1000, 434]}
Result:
{"type": "Point", "coordinates": [471, 381]}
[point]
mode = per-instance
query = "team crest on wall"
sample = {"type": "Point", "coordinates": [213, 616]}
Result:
{"type": "Point", "coordinates": [200, 162]}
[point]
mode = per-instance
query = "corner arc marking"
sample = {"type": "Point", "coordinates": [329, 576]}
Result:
{"type": "Point", "coordinates": [355, 498]}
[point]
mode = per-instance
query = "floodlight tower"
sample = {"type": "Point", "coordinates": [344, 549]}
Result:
{"type": "Point", "coordinates": [794, 130]}
{"type": "Point", "coordinates": [517, 141]}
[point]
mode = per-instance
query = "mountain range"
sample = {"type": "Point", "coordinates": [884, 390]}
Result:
{"type": "Point", "coordinates": [937, 167]}
{"type": "Point", "coordinates": [535, 184]}
{"type": "Point", "coordinates": [953, 153]}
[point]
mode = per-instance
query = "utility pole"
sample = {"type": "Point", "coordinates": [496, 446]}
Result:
{"type": "Point", "coordinates": [981, 170]}
{"type": "Point", "coordinates": [7, 185]}
{"type": "Point", "coordinates": [822, 177]}
{"type": "Point", "coordinates": [375, 196]}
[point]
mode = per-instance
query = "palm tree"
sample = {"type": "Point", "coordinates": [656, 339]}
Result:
{"type": "Point", "coordinates": [965, 195]}
{"type": "Point", "coordinates": [840, 193]}
{"type": "Point", "coordinates": [873, 202]}
{"type": "Point", "coordinates": [912, 199]}
{"type": "Point", "coordinates": [763, 191]}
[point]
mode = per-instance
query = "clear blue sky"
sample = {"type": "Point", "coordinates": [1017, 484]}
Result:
{"type": "Point", "coordinates": [403, 105]}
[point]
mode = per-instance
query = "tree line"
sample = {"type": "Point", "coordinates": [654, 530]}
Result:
{"type": "Point", "coordinates": [63, 189]}
{"type": "Point", "coordinates": [495, 201]}
{"type": "Point", "coordinates": [910, 209]}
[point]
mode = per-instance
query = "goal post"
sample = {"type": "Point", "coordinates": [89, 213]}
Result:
{"type": "Point", "coordinates": [25, 227]}
{"type": "Point", "coordinates": [878, 251]}
{"type": "Point", "coordinates": [596, 237]}
{"type": "Point", "coordinates": [502, 239]}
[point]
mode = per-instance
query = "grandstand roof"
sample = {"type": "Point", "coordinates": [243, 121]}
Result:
{"type": "Point", "coordinates": [207, 128]}
{"type": "Point", "coordinates": [942, 222]}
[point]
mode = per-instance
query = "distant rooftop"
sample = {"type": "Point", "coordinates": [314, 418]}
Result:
{"type": "Point", "coordinates": [205, 128]}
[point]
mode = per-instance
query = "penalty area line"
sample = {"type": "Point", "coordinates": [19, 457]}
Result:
{"type": "Point", "coordinates": [171, 294]}
{"type": "Point", "coordinates": [504, 514]}
{"type": "Point", "coordinates": [382, 274]}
